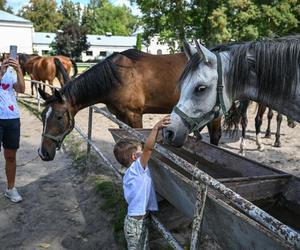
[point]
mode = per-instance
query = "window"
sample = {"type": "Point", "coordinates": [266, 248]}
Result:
{"type": "Point", "coordinates": [159, 52]}
{"type": "Point", "coordinates": [89, 53]}
{"type": "Point", "coordinates": [103, 53]}
{"type": "Point", "coordinates": [45, 52]}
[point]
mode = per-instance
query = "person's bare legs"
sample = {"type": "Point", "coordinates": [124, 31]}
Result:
{"type": "Point", "coordinates": [10, 166]}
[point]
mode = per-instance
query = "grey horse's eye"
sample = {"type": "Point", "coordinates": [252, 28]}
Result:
{"type": "Point", "coordinates": [200, 88]}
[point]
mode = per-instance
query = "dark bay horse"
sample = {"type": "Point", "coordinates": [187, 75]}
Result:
{"type": "Point", "coordinates": [130, 83]}
{"type": "Point", "coordinates": [267, 72]}
{"type": "Point", "coordinates": [240, 116]}
{"type": "Point", "coordinates": [47, 68]}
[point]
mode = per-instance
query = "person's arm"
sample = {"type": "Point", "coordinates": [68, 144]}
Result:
{"type": "Point", "coordinates": [149, 144]}
{"type": "Point", "coordinates": [19, 86]}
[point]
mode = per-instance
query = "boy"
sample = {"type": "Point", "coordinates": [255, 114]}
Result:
{"type": "Point", "coordinates": [138, 187]}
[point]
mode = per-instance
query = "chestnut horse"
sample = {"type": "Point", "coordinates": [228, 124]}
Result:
{"type": "Point", "coordinates": [47, 68]}
{"type": "Point", "coordinates": [130, 83]}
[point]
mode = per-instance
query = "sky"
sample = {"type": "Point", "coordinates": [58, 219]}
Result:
{"type": "Point", "coordinates": [17, 4]}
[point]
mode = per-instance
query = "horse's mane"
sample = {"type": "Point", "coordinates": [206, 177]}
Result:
{"type": "Point", "coordinates": [99, 80]}
{"type": "Point", "coordinates": [275, 62]}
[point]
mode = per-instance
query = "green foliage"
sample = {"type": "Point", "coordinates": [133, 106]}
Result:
{"type": "Point", "coordinates": [101, 17]}
{"type": "Point", "coordinates": [114, 204]}
{"type": "Point", "coordinates": [43, 15]}
{"type": "Point", "coordinates": [4, 7]}
{"type": "Point", "coordinates": [71, 40]}
{"type": "Point", "coordinates": [139, 41]}
{"type": "Point", "coordinates": [70, 12]}
{"type": "Point", "coordinates": [219, 21]}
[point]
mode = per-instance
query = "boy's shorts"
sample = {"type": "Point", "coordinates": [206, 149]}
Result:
{"type": "Point", "coordinates": [10, 133]}
{"type": "Point", "coordinates": [136, 233]}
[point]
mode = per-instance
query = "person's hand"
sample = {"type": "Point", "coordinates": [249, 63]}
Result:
{"type": "Point", "coordinates": [14, 63]}
{"type": "Point", "coordinates": [164, 122]}
{"type": "Point", "coordinates": [4, 66]}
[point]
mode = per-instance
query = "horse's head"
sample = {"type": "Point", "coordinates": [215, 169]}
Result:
{"type": "Point", "coordinates": [199, 100]}
{"type": "Point", "coordinates": [23, 59]}
{"type": "Point", "coordinates": [57, 121]}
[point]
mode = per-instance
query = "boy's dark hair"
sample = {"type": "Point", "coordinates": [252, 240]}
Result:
{"type": "Point", "coordinates": [123, 150]}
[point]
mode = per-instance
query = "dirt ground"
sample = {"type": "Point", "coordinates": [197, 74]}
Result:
{"type": "Point", "coordinates": [61, 209]}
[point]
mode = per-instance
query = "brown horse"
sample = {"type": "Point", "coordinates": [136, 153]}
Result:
{"type": "Point", "coordinates": [130, 83]}
{"type": "Point", "coordinates": [47, 68]}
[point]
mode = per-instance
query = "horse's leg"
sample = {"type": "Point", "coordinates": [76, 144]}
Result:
{"type": "Point", "coordinates": [270, 116]}
{"type": "Point", "coordinates": [32, 86]}
{"type": "Point", "coordinates": [244, 123]}
{"type": "Point", "coordinates": [277, 142]}
{"type": "Point", "coordinates": [134, 120]}
{"type": "Point", "coordinates": [258, 121]}
{"type": "Point", "coordinates": [215, 131]}
{"type": "Point", "coordinates": [51, 84]}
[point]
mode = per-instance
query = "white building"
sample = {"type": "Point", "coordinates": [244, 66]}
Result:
{"type": "Point", "coordinates": [15, 30]}
{"type": "Point", "coordinates": [100, 46]}
{"type": "Point", "coordinates": [156, 47]}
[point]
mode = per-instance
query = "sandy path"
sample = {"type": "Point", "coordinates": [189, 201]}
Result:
{"type": "Point", "coordinates": [60, 208]}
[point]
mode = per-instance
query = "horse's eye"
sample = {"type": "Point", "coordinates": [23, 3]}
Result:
{"type": "Point", "coordinates": [59, 117]}
{"type": "Point", "coordinates": [200, 88]}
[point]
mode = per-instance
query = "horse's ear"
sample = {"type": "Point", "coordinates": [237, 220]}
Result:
{"type": "Point", "coordinates": [43, 94]}
{"type": "Point", "coordinates": [58, 95]}
{"type": "Point", "coordinates": [205, 53]}
{"type": "Point", "coordinates": [189, 50]}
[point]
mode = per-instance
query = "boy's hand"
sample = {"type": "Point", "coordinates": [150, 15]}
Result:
{"type": "Point", "coordinates": [164, 122]}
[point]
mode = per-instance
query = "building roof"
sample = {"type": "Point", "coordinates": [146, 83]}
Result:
{"type": "Point", "coordinates": [94, 40]}
{"type": "Point", "coordinates": [10, 18]}
{"type": "Point", "coordinates": [43, 37]}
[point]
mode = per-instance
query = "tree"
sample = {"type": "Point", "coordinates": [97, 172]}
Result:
{"type": "Point", "coordinates": [219, 21]}
{"type": "Point", "coordinates": [4, 7]}
{"type": "Point", "coordinates": [69, 11]}
{"type": "Point", "coordinates": [139, 41]}
{"type": "Point", "coordinates": [70, 41]}
{"type": "Point", "coordinates": [101, 17]}
{"type": "Point", "coordinates": [43, 14]}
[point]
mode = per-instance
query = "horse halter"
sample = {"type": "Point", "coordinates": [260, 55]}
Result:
{"type": "Point", "coordinates": [58, 139]}
{"type": "Point", "coordinates": [195, 122]}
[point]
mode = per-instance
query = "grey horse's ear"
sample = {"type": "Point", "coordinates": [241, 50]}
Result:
{"type": "Point", "coordinates": [205, 53]}
{"type": "Point", "coordinates": [189, 50]}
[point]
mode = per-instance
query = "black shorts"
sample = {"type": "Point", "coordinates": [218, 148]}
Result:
{"type": "Point", "coordinates": [10, 133]}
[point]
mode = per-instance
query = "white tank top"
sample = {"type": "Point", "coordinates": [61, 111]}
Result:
{"type": "Point", "coordinates": [8, 103]}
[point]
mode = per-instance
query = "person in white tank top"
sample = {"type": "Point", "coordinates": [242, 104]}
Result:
{"type": "Point", "coordinates": [11, 80]}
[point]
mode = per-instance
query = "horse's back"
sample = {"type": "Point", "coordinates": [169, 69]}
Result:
{"type": "Point", "coordinates": [151, 81]}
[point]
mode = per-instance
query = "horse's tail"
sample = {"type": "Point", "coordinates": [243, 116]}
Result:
{"type": "Point", "coordinates": [60, 69]}
{"type": "Point", "coordinates": [74, 67]}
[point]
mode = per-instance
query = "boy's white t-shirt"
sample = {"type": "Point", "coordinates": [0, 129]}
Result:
{"type": "Point", "coordinates": [8, 103]}
{"type": "Point", "coordinates": [139, 190]}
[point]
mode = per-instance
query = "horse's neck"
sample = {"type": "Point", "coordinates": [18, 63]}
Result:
{"type": "Point", "coordinates": [290, 107]}
{"type": "Point", "coordinates": [88, 101]}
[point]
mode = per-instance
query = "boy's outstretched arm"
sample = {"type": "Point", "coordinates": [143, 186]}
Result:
{"type": "Point", "coordinates": [149, 144]}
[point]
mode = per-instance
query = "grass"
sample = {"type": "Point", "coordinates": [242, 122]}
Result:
{"type": "Point", "coordinates": [114, 204]}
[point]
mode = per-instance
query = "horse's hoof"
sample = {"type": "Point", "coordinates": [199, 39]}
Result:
{"type": "Point", "coordinates": [261, 148]}
{"type": "Point", "coordinates": [277, 144]}
{"type": "Point", "coordinates": [268, 135]}
{"type": "Point", "coordinates": [241, 153]}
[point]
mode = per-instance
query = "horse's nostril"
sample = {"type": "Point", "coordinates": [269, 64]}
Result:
{"type": "Point", "coordinates": [169, 134]}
